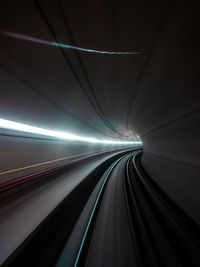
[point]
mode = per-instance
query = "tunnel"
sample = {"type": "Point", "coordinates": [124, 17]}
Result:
{"type": "Point", "coordinates": [99, 133]}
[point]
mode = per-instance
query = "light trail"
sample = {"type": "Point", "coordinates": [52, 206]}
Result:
{"type": "Point", "coordinates": [66, 46]}
{"type": "Point", "coordinates": [47, 162]}
{"type": "Point", "coordinates": [21, 127]}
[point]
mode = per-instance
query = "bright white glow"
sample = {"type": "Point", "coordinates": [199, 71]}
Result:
{"type": "Point", "coordinates": [16, 126]}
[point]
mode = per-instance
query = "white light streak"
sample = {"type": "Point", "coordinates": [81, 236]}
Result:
{"type": "Point", "coordinates": [21, 127]}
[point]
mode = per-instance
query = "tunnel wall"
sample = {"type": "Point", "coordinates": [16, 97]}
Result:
{"type": "Point", "coordinates": [24, 154]}
{"type": "Point", "coordinates": [168, 109]}
{"type": "Point", "coordinates": [171, 158]}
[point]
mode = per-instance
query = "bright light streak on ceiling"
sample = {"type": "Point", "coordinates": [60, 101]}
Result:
{"type": "Point", "coordinates": [21, 127]}
{"type": "Point", "coordinates": [45, 42]}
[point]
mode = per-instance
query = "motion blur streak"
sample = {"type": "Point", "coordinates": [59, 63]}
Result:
{"type": "Point", "coordinates": [41, 163]}
{"type": "Point", "coordinates": [16, 126]}
{"type": "Point", "coordinates": [37, 40]}
{"type": "Point", "coordinates": [118, 80]}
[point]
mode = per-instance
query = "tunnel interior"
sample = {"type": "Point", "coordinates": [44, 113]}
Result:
{"type": "Point", "coordinates": [150, 95]}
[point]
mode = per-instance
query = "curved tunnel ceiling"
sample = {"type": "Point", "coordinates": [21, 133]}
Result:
{"type": "Point", "coordinates": [154, 95]}
{"type": "Point", "coordinates": [114, 95]}
{"type": "Point", "coordinates": [86, 91]}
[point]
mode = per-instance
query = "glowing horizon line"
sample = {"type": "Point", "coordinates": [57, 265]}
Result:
{"type": "Point", "coordinates": [21, 127]}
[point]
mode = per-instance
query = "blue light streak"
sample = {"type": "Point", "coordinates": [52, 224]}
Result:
{"type": "Point", "coordinates": [65, 46]}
